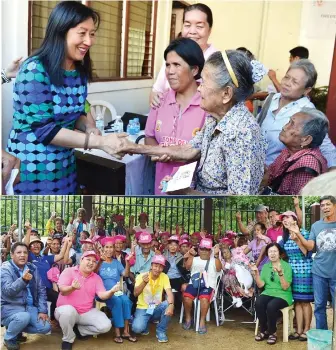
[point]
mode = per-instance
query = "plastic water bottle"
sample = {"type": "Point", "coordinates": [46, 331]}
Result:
{"type": "Point", "coordinates": [100, 122]}
{"type": "Point", "coordinates": [136, 126]}
{"type": "Point", "coordinates": [118, 125]}
{"type": "Point", "coordinates": [131, 127]}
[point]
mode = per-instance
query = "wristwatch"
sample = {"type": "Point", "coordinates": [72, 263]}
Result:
{"type": "Point", "coordinates": [4, 77]}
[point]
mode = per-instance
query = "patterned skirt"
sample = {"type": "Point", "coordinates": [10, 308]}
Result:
{"type": "Point", "coordinates": [302, 285]}
{"type": "Point", "coordinates": [45, 170]}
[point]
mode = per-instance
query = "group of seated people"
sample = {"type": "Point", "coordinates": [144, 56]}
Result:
{"type": "Point", "coordinates": [142, 275]}
{"type": "Point", "coordinates": [199, 112]}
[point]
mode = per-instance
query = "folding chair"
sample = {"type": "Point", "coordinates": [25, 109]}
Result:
{"type": "Point", "coordinates": [198, 306]}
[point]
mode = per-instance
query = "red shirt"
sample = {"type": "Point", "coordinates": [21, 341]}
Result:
{"type": "Point", "coordinates": [274, 233]}
{"type": "Point", "coordinates": [295, 177]}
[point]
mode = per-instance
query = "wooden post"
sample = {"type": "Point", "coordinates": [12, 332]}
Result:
{"type": "Point", "coordinates": [331, 102]}
{"type": "Point", "coordinates": [207, 222]}
{"type": "Point", "coordinates": [87, 205]}
{"type": "Point", "coordinates": [315, 212]}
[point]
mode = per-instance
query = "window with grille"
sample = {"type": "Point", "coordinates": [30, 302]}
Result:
{"type": "Point", "coordinates": [124, 47]}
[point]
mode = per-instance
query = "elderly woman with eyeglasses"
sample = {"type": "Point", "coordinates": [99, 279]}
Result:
{"type": "Point", "coordinates": [292, 98]}
{"type": "Point", "coordinates": [302, 159]}
{"type": "Point", "coordinates": [276, 279]}
{"type": "Point", "coordinates": [230, 147]}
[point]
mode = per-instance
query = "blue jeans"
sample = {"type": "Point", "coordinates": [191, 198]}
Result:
{"type": "Point", "coordinates": [25, 321]}
{"type": "Point", "coordinates": [121, 309]}
{"type": "Point", "coordinates": [141, 319]}
{"type": "Point", "coordinates": [321, 286]}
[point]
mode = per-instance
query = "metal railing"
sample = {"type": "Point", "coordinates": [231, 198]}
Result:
{"type": "Point", "coordinates": [168, 211]}
{"type": "Point", "coordinates": [193, 213]}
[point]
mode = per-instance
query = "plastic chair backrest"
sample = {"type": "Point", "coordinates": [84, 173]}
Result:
{"type": "Point", "coordinates": [100, 106]}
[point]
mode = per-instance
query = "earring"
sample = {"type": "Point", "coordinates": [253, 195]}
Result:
{"type": "Point", "coordinates": [301, 146]}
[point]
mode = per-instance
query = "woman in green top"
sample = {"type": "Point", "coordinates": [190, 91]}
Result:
{"type": "Point", "coordinates": [276, 279]}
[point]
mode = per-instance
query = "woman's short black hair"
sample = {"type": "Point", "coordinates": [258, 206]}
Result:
{"type": "Point", "coordinates": [273, 244]}
{"type": "Point", "coordinates": [52, 52]}
{"type": "Point", "coordinates": [200, 7]}
{"type": "Point", "coordinates": [189, 51]}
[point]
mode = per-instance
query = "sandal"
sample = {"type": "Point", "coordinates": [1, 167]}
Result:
{"type": "Point", "coordinates": [294, 336]}
{"type": "Point", "coordinates": [118, 340]}
{"type": "Point", "coordinates": [272, 339]}
{"type": "Point", "coordinates": [303, 337]}
{"type": "Point", "coordinates": [186, 326]}
{"type": "Point", "coordinates": [130, 338]}
{"type": "Point", "coordinates": [202, 330]}
{"type": "Point", "coordinates": [261, 336]}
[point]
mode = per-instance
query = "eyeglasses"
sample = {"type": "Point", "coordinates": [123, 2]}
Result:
{"type": "Point", "coordinates": [272, 276]}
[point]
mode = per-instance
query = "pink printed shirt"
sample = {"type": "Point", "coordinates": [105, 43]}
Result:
{"type": "Point", "coordinates": [162, 84]}
{"type": "Point", "coordinates": [171, 126]}
{"type": "Point", "coordinates": [81, 299]}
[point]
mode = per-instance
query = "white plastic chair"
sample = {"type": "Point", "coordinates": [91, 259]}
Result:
{"type": "Point", "coordinates": [288, 320]}
{"type": "Point", "coordinates": [198, 306]}
{"type": "Point", "coordinates": [100, 106]}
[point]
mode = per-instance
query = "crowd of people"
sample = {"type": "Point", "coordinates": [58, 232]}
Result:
{"type": "Point", "coordinates": [143, 274]}
{"type": "Point", "coordinates": [200, 111]}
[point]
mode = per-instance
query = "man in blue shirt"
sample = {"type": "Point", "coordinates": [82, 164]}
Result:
{"type": "Point", "coordinates": [23, 298]}
{"type": "Point", "coordinates": [144, 255]}
{"type": "Point", "coordinates": [173, 257]}
{"type": "Point", "coordinates": [323, 239]}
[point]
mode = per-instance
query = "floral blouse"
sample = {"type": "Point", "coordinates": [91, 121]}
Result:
{"type": "Point", "coordinates": [233, 153]}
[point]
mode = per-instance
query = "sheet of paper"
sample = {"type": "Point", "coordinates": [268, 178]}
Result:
{"type": "Point", "coordinates": [182, 178]}
{"type": "Point", "coordinates": [9, 186]}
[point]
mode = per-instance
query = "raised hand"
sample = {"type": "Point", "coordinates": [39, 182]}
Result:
{"type": "Point", "coordinates": [296, 201]}
{"type": "Point", "coordinates": [49, 241]}
{"type": "Point", "coordinates": [192, 252]}
{"type": "Point", "coordinates": [27, 276]}
{"type": "Point", "coordinates": [27, 225]}
{"type": "Point", "coordinates": [53, 215]}
{"type": "Point", "coordinates": [238, 216]}
{"type": "Point", "coordinates": [75, 284]}
{"type": "Point", "coordinates": [145, 277]}
{"type": "Point", "coordinates": [13, 68]}
{"type": "Point", "coordinates": [216, 249]}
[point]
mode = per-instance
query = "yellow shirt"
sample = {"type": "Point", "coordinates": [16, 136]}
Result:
{"type": "Point", "coordinates": [152, 293]}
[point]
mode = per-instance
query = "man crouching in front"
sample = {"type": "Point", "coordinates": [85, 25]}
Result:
{"type": "Point", "coordinates": [75, 313]}
{"type": "Point", "coordinates": [23, 298]}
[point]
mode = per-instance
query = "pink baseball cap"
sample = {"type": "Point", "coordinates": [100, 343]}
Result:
{"type": "Point", "coordinates": [159, 259]}
{"type": "Point", "coordinates": [196, 234]}
{"type": "Point", "coordinates": [230, 234]}
{"type": "Point", "coordinates": [90, 253]}
{"type": "Point", "coordinates": [184, 241]}
{"type": "Point", "coordinates": [97, 238]}
{"type": "Point", "coordinates": [144, 215]}
{"type": "Point", "coordinates": [88, 240]}
{"type": "Point", "coordinates": [174, 238]}
{"type": "Point", "coordinates": [206, 243]}
{"type": "Point", "coordinates": [288, 213]}
{"type": "Point", "coordinates": [119, 217]}
{"type": "Point", "coordinates": [229, 242]}
{"type": "Point", "coordinates": [185, 236]}
{"type": "Point", "coordinates": [145, 237]}
{"type": "Point", "coordinates": [107, 240]}
{"type": "Point", "coordinates": [119, 238]}
{"type": "Point", "coordinates": [100, 218]}
{"type": "Point", "coordinates": [164, 234]}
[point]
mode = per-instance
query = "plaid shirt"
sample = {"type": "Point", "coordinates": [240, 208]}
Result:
{"type": "Point", "coordinates": [295, 177]}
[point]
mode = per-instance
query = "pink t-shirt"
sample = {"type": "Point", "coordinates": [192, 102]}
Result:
{"type": "Point", "coordinates": [81, 299]}
{"type": "Point", "coordinates": [274, 233]}
{"type": "Point", "coordinates": [162, 84]}
{"type": "Point", "coordinates": [170, 126]}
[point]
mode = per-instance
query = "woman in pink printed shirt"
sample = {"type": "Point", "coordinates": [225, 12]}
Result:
{"type": "Point", "coordinates": [179, 116]}
{"type": "Point", "coordinates": [197, 25]}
